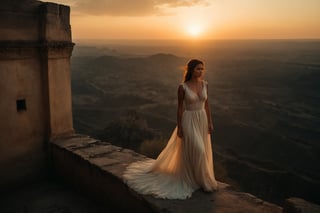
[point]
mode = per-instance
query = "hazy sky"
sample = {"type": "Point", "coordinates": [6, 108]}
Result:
{"type": "Point", "coordinates": [205, 19]}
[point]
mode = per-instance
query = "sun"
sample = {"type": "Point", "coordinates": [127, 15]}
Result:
{"type": "Point", "coordinates": [194, 22]}
{"type": "Point", "coordinates": [194, 30]}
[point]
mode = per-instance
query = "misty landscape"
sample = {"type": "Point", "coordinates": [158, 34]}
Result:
{"type": "Point", "coordinates": [264, 97]}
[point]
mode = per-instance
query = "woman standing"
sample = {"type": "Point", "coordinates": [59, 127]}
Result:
{"type": "Point", "coordinates": [186, 162]}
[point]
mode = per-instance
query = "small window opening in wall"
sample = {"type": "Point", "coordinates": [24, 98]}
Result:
{"type": "Point", "coordinates": [21, 105]}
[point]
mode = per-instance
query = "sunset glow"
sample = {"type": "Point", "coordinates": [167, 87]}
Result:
{"type": "Point", "coordinates": [202, 19]}
{"type": "Point", "coordinates": [194, 30]}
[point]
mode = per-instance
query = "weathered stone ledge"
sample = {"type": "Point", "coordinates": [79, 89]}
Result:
{"type": "Point", "coordinates": [96, 168]}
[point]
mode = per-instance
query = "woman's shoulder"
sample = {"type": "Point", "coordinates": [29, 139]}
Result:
{"type": "Point", "coordinates": [182, 85]}
{"type": "Point", "coordinates": [205, 82]}
{"type": "Point", "coordinates": [181, 89]}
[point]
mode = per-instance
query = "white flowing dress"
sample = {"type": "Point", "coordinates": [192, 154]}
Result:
{"type": "Point", "coordinates": [186, 163]}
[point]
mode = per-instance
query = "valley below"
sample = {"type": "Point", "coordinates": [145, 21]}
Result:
{"type": "Point", "coordinates": [264, 98]}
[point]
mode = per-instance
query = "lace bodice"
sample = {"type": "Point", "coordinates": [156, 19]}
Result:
{"type": "Point", "coordinates": [193, 101]}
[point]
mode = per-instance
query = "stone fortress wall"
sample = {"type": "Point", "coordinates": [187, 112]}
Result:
{"type": "Point", "coordinates": [35, 91]}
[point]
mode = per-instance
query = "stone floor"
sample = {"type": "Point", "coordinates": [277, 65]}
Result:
{"type": "Point", "coordinates": [49, 196]}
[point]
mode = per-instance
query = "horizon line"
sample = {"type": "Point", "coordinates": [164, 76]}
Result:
{"type": "Point", "coordinates": [192, 39]}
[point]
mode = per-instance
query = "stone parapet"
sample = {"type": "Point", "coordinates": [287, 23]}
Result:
{"type": "Point", "coordinates": [96, 168]}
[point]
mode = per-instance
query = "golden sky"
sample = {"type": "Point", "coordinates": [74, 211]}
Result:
{"type": "Point", "coordinates": [203, 19]}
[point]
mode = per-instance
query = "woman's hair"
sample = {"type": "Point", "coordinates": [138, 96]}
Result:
{"type": "Point", "coordinates": [190, 68]}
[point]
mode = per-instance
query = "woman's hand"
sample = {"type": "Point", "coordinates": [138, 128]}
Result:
{"type": "Point", "coordinates": [180, 133]}
{"type": "Point", "coordinates": [210, 128]}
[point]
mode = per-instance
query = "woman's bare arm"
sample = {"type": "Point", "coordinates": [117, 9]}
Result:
{"type": "Point", "coordinates": [208, 111]}
{"type": "Point", "coordinates": [180, 110]}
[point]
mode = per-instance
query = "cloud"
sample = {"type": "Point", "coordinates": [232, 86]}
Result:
{"type": "Point", "coordinates": [130, 7]}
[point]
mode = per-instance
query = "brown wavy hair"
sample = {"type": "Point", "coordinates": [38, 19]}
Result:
{"type": "Point", "coordinates": [190, 67]}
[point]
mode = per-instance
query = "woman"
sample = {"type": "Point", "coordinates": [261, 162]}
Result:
{"type": "Point", "coordinates": [186, 162]}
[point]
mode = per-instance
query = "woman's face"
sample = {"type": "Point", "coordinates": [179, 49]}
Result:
{"type": "Point", "coordinates": [198, 71]}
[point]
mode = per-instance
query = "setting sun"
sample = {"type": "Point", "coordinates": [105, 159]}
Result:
{"type": "Point", "coordinates": [194, 30]}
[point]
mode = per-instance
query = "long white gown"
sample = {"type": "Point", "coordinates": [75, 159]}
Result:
{"type": "Point", "coordinates": [185, 164]}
